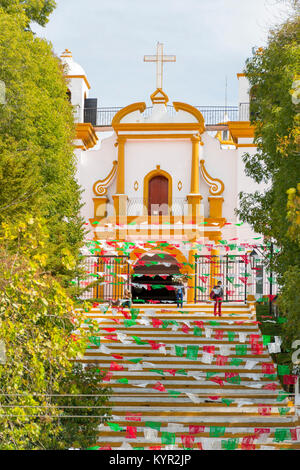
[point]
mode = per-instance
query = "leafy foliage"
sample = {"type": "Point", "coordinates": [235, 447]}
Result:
{"type": "Point", "coordinates": [274, 110]}
{"type": "Point", "coordinates": [37, 162]}
{"type": "Point", "coordinates": [89, 400]}
{"type": "Point", "coordinates": [43, 335]}
{"type": "Point", "coordinates": [35, 10]}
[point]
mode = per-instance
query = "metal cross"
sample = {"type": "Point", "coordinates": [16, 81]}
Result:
{"type": "Point", "coordinates": [159, 58]}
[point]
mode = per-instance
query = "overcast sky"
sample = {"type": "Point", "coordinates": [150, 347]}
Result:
{"type": "Point", "coordinates": [211, 39]}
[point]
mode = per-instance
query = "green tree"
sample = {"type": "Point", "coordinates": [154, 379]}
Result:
{"type": "Point", "coordinates": [43, 336]}
{"type": "Point", "coordinates": [37, 162]}
{"type": "Point", "coordinates": [35, 10]}
{"type": "Point", "coordinates": [79, 425]}
{"type": "Point", "coordinates": [272, 73]}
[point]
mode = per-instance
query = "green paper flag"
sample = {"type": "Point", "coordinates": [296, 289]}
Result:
{"type": "Point", "coordinates": [235, 361]}
{"type": "Point", "coordinates": [179, 350]}
{"type": "Point", "coordinates": [192, 352]}
{"type": "Point", "coordinates": [227, 401]}
{"type": "Point", "coordinates": [210, 374]}
{"type": "Point", "coordinates": [95, 340]}
{"type": "Point", "coordinates": [168, 438]}
{"type": "Point", "coordinates": [129, 323]}
{"type": "Point", "coordinates": [266, 339]}
{"type": "Point", "coordinates": [231, 335]}
{"type": "Point", "coordinates": [153, 425]}
{"type": "Point", "coordinates": [270, 376]}
{"type": "Point", "coordinates": [197, 331]}
{"type": "Point", "coordinates": [115, 427]}
{"type": "Point", "coordinates": [139, 340]}
{"type": "Point", "coordinates": [281, 320]}
{"type": "Point", "coordinates": [281, 396]}
{"type": "Point", "coordinates": [136, 360]}
{"type": "Point", "coordinates": [181, 372]}
{"type": "Point", "coordinates": [282, 435]}
{"type": "Point", "coordinates": [241, 349]}
{"type": "Point", "coordinates": [122, 381]}
{"type": "Point", "coordinates": [283, 370]}
{"type": "Point", "coordinates": [216, 431]}
{"type": "Point", "coordinates": [173, 393]}
{"type": "Point", "coordinates": [134, 313]}
{"type": "Point", "coordinates": [283, 411]}
{"type": "Point", "coordinates": [230, 444]}
{"type": "Point", "coordinates": [214, 323]}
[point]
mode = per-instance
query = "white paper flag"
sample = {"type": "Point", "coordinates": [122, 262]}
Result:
{"type": "Point", "coordinates": [194, 398]}
{"type": "Point", "coordinates": [207, 358]}
{"type": "Point", "coordinates": [250, 364]}
{"type": "Point", "coordinates": [150, 434]}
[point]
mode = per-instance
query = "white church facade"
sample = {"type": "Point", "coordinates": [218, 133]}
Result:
{"type": "Point", "coordinates": [165, 174]}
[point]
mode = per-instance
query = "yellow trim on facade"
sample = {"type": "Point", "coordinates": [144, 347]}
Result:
{"type": "Point", "coordinates": [86, 133]}
{"type": "Point", "coordinates": [156, 136]}
{"type": "Point", "coordinates": [100, 187]}
{"type": "Point", "coordinates": [121, 166]}
{"type": "Point", "coordinates": [240, 129]}
{"type": "Point", "coordinates": [245, 145]}
{"type": "Point", "coordinates": [140, 106]}
{"type": "Point", "coordinates": [195, 177]}
{"type": "Point", "coordinates": [158, 171]}
{"type": "Point", "coordinates": [80, 76]}
{"type": "Point", "coordinates": [159, 97]}
{"type": "Point", "coordinates": [216, 186]}
{"type": "Point", "coordinates": [191, 110]}
{"type": "Point", "coordinates": [158, 126]}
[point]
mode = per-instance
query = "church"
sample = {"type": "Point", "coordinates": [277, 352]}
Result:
{"type": "Point", "coordinates": [161, 182]}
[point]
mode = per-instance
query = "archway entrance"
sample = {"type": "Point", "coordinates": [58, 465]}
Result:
{"type": "Point", "coordinates": [154, 278]}
{"type": "Point", "coordinates": [158, 196]}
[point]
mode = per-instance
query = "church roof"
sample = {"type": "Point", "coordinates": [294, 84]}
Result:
{"type": "Point", "coordinates": [73, 69]}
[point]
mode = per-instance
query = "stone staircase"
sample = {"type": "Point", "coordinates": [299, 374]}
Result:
{"type": "Point", "coordinates": [166, 398]}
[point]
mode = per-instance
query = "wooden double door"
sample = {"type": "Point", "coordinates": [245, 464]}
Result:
{"type": "Point", "coordinates": [158, 196]}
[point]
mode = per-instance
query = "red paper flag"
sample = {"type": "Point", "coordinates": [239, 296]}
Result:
{"type": "Point", "coordinates": [264, 410]}
{"type": "Point", "coordinates": [272, 386]}
{"type": "Point", "coordinates": [268, 368]}
{"type": "Point", "coordinates": [159, 386]}
{"type": "Point", "coordinates": [196, 429]}
{"type": "Point", "coordinates": [221, 360]}
{"type": "Point", "coordinates": [248, 443]}
{"type": "Point", "coordinates": [133, 416]}
{"type": "Point", "coordinates": [171, 371]}
{"type": "Point", "coordinates": [290, 379]}
{"type": "Point", "coordinates": [131, 432]}
{"type": "Point", "coordinates": [156, 322]}
{"type": "Point", "coordinates": [115, 366]}
{"type": "Point", "coordinates": [185, 329]}
{"type": "Point", "coordinates": [187, 441]}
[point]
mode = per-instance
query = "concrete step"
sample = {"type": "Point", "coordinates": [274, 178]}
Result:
{"type": "Point", "coordinates": [193, 405]}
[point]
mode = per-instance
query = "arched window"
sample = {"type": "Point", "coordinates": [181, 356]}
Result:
{"type": "Point", "coordinates": [158, 195]}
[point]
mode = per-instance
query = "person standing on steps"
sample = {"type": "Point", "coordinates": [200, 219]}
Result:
{"type": "Point", "coordinates": [179, 294]}
{"type": "Point", "coordinates": [127, 299]}
{"type": "Point", "coordinates": [217, 295]}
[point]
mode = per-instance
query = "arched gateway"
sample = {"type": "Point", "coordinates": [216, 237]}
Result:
{"type": "Point", "coordinates": [154, 278]}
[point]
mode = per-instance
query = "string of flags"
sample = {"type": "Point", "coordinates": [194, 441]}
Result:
{"type": "Point", "coordinates": [190, 436]}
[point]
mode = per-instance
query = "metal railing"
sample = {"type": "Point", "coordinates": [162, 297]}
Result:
{"type": "Point", "coordinates": [138, 206]}
{"type": "Point", "coordinates": [213, 115]}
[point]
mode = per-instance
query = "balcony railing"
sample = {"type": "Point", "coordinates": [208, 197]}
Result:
{"type": "Point", "coordinates": [138, 206]}
{"type": "Point", "coordinates": [213, 115]}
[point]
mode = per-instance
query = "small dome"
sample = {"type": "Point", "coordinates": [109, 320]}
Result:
{"type": "Point", "coordinates": [72, 67]}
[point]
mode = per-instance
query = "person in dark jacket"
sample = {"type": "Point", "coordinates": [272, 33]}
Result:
{"type": "Point", "coordinates": [180, 291]}
{"type": "Point", "coordinates": [218, 298]}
